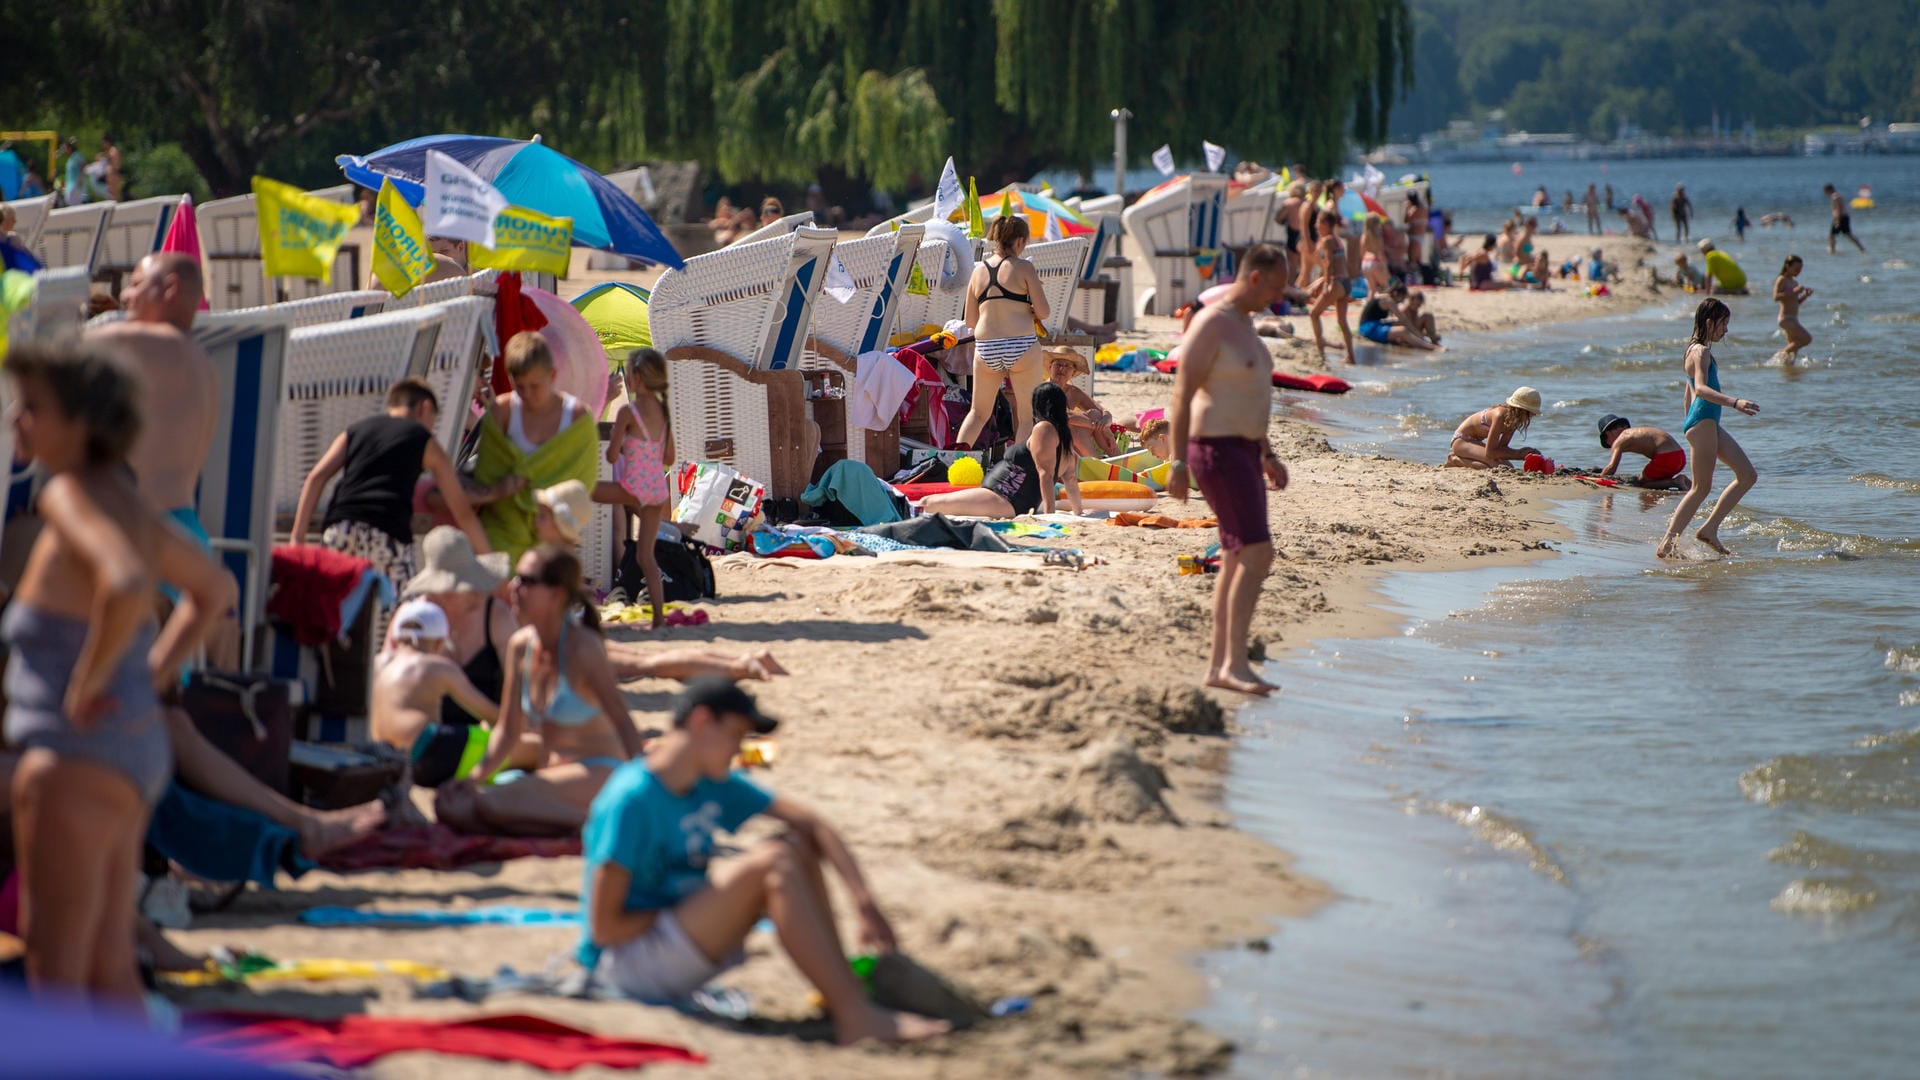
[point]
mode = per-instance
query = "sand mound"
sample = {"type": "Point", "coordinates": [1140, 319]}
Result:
{"type": "Point", "coordinates": [1112, 783]}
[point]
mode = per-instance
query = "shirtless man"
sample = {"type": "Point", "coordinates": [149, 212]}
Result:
{"type": "Point", "coordinates": [1222, 394]}
{"type": "Point", "coordinates": [1682, 214]}
{"type": "Point", "coordinates": [1789, 293]}
{"type": "Point", "coordinates": [1666, 458]}
{"type": "Point", "coordinates": [116, 180]}
{"type": "Point", "coordinates": [1593, 211]}
{"type": "Point", "coordinates": [416, 675]}
{"type": "Point", "coordinates": [1842, 222]}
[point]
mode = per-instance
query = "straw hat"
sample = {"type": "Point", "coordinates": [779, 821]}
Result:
{"type": "Point", "coordinates": [1525, 398]}
{"type": "Point", "coordinates": [572, 507]}
{"type": "Point", "coordinates": [1706, 245]}
{"type": "Point", "coordinates": [450, 566]}
{"type": "Point", "coordinates": [1071, 356]}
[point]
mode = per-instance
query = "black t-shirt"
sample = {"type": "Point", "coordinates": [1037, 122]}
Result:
{"type": "Point", "coordinates": [385, 455]}
{"type": "Point", "coordinates": [1373, 311]}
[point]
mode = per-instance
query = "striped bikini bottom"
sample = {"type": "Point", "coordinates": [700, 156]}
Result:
{"type": "Point", "coordinates": [1001, 354]}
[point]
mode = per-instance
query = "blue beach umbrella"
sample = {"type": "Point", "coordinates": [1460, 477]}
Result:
{"type": "Point", "coordinates": [530, 175]}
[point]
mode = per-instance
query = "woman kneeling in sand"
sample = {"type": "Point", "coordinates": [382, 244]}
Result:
{"type": "Point", "coordinates": [1482, 439]}
{"type": "Point", "coordinates": [558, 681]}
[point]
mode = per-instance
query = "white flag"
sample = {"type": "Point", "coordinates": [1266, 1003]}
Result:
{"type": "Point", "coordinates": [1163, 160]}
{"type": "Point", "coordinates": [1053, 227]}
{"type": "Point", "coordinates": [839, 283]}
{"type": "Point", "coordinates": [948, 196]}
{"type": "Point", "coordinates": [459, 205]}
{"type": "Point", "coordinates": [1216, 155]}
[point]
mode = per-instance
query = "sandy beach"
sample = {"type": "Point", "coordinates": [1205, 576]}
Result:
{"type": "Point", "coordinates": [993, 738]}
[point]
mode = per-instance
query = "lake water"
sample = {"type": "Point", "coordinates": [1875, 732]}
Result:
{"type": "Point", "coordinates": [1604, 816]}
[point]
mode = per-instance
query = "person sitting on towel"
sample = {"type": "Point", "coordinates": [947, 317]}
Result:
{"type": "Point", "coordinates": [1667, 459]}
{"type": "Point", "coordinates": [660, 918]}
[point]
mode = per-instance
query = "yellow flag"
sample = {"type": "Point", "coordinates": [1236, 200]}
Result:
{"type": "Point", "coordinates": [526, 240]}
{"type": "Point", "coordinates": [401, 257]}
{"type": "Point", "coordinates": [976, 223]}
{"type": "Point", "coordinates": [299, 233]}
{"type": "Point", "coordinates": [1006, 203]}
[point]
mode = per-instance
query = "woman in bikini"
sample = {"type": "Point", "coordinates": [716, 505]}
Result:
{"type": "Point", "coordinates": [1705, 437]}
{"type": "Point", "coordinates": [1477, 267]}
{"type": "Point", "coordinates": [1023, 483]}
{"type": "Point", "coordinates": [563, 726]}
{"type": "Point", "coordinates": [1005, 304]}
{"type": "Point", "coordinates": [640, 450]}
{"type": "Point", "coordinates": [1306, 221]}
{"type": "Point", "coordinates": [87, 666]}
{"type": "Point", "coordinates": [1335, 288]}
{"type": "Point", "coordinates": [1373, 256]}
{"type": "Point", "coordinates": [1484, 440]}
{"type": "Point", "coordinates": [1790, 294]}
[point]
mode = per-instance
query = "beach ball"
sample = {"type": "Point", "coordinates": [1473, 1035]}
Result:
{"type": "Point", "coordinates": [965, 472]}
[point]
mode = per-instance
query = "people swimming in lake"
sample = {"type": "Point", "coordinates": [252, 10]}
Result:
{"type": "Point", "coordinates": [1666, 458]}
{"type": "Point", "coordinates": [1709, 441]}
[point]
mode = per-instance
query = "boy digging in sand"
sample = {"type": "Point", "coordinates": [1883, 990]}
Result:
{"type": "Point", "coordinates": [1666, 457]}
{"type": "Point", "coordinates": [1222, 394]}
{"type": "Point", "coordinates": [656, 925]}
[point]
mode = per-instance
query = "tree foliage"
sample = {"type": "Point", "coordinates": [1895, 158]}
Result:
{"type": "Point", "coordinates": [1555, 66]}
{"type": "Point", "coordinates": [883, 91]}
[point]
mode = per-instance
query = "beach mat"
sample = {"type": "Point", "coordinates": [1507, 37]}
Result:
{"type": "Point", "coordinates": [437, 847]}
{"type": "Point", "coordinates": [355, 1040]}
{"type": "Point", "coordinates": [501, 915]}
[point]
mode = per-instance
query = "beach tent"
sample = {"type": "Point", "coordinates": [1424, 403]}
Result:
{"type": "Point", "coordinates": [617, 312]}
{"type": "Point", "coordinates": [531, 176]}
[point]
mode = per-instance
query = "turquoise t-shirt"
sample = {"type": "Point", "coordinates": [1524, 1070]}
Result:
{"type": "Point", "coordinates": [662, 839]}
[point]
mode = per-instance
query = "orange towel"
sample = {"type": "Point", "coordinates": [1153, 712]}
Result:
{"type": "Point", "coordinates": [1161, 521]}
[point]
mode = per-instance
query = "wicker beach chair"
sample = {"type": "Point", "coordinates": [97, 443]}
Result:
{"type": "Point", "coordinates": [880, 267]}
{"type": "Point", "coordinates": [29, 216]}
{"type": "Point", "coordinates": [732, 325]}
{"type": "Point", "coordinates": [776, 228]}
{"type": "Point", "coordinates": [133, 233]}
{"type": "Point", "coordinates": [337, 374]}
{"type": "Point", "coordinates": [1174, 229]}
{"type": "Point", "coordinates": [1059, 263]}
{"type": "Point", "coordinates": [71, 236]}
{"type": "Point", "coordinates": [483, 283]}
{"type": "Point", "coordinates": [331, 308]}
{"type": "Point", "coordinates": [465, 342]}
{"type": "Point", "coordinates": [926, 301]}
{"type": "Point", "coordinates": [918, 215]}
{"type": "Point", "coordinates": [235, 499]}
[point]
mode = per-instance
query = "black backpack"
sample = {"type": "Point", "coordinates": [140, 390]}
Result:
{"type": "Point", "coordinates": [685, 573]}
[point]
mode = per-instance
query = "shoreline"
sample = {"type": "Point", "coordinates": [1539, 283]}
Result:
{"type": "Point", "coordinates": [991, 720]}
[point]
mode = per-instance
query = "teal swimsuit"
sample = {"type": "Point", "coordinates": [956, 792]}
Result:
{"type": "Point", "coordinates": [566, 708]}
{"type": "Point", "coordinates": [1702, 409]}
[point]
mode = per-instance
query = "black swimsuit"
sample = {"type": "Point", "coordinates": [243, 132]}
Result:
{"type": "Point", "coordinates": [993, 282]}
{"type": "Point", "coordinates": [483, 671]}
{"type": "Point", "coordinates": [1017, 480]}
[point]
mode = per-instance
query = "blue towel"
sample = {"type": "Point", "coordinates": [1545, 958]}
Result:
{"type": "Point", "coordinates": [503, 915]}
{"type": "Point", "coordinates": [222, 842]}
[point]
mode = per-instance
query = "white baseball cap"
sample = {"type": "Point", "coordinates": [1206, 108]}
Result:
{"type": "Point", "coordinates": [420, 620]}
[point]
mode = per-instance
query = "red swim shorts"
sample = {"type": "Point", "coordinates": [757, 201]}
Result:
{"type": "Point", "coordinates": [1665, 466]}
{"type": "Point", "coordinates": [1227, 469]}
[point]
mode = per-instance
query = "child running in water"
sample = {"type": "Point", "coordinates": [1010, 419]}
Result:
{"type": "Point", "coordinates": [82, 705]}
{"type": "Point", "coordinates": [1482, 440]}
{"type": "Point", "coordinates": [641, 450]}
{"type": "Point", "coordinates": [1790, 294]}
{"type": "Point", "coordinates": [1710, 443]}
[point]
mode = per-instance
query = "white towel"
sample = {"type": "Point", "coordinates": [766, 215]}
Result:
{"type": "Point", "coordinates": [880, 384]}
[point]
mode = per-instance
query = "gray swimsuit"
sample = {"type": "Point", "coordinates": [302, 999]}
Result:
{"type": "Point", "coordinates": [130, 739]}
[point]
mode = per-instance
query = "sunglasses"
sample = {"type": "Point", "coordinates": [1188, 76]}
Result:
{"type": "Point", "coordinates": [529, 581]}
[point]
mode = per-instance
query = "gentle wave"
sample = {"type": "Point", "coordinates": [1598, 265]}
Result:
{"type": "Point", "coordinates": [1882, 480]}
{"type": "Point", "coordinates": [1499, 832]}
{"type": "Point", "coordinates": [1827, 896]}
{"type": "Point", "coordinates": [1881, 775]}
{"type": "Point", "coordinates": [1820, 853]}
{"type": "Point", "coordinates": [1794, 535]}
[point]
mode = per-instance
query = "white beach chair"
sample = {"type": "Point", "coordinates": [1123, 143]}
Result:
{"type": "Point", "coordinates": [71, 236]}
{"type": "Point", "coordinates": [482, 283]}
{"type": "Point", "coordinates": [918, 215]}
{"type": "Point", "coordinates": [880, 267]}
{"type": "Point", "coordinates": [927, 302]}
{"type": "Point", "coordinates": [1249, 215]}
{"type": "Point", "coordinates": [1104, 204]}
{"type": "Point", "coordinates": [133, 233]}
{"type": "Point", "coordinates": [338, 374]}
{"type": "Point", "coordinates": [776, 228]}
{"type": "Point", "coordinates": [29, 217]}
{"type": "Point", "coordinates": [1173, 228]}
{"type": "Point", "coordinates": [732, 325]}
{"type": "Point", "coordinates": [465, 343]}
{"type": "Point", "coordinates": [235, 499]}
{"type": "Point", "coordinates": [331, 308]}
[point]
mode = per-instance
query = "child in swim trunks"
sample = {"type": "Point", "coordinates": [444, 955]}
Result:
{"type": "Point", "coordinates": [379, 461]}
{"type": "Point", "coordinates": [1666, 457]}
{"type": "Point", "coordinates": [85, 661]}
{"type": "Point", "coordinates": [415, 676]}
{"type": "Point", "coordinates": [641, 451]}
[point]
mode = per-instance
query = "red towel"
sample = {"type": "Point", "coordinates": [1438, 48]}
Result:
{"type": "Point", "coordinates": [309, 585]}
{"type": "Point", "coordinates": [354, 1040]}
{"type": "Point", "coordinates": [512, 313]}
{"type": "Point", "coordinates": [926, 381]}
{"type": "Point", "coordinates": [436, 847]}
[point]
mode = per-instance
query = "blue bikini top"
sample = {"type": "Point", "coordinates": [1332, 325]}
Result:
{"type": "Point", "coordinates": [566, 708]}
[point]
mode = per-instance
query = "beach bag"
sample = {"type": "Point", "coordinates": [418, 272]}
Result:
{"type": "Point", "coordinates": [246, 716]}
{"type": "Point", "coordinates": [686, 574]}
{"type": "Point", "coordinates": [717, 505]}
